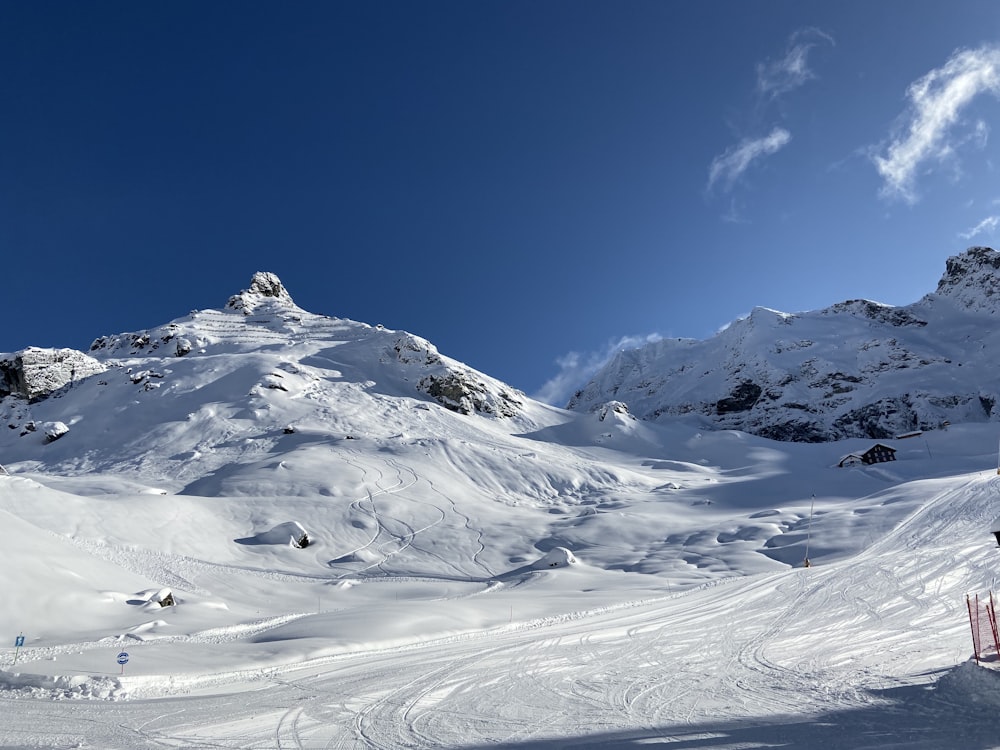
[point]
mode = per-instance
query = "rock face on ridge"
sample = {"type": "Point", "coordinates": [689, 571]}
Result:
{"type": "Point", "coordinates": [972, 280]}
{"type": "Point", "coordinates": [855, 369]}
{"type": "Point", "coordinates": [454, 386]}
{"type": "Point", "coordinates": [34, 373]}
{"type": "Point", "coordinates": [263, 286]}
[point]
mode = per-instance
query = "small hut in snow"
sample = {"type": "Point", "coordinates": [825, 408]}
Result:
{"type": "Point", "coordinates": [878, 453]}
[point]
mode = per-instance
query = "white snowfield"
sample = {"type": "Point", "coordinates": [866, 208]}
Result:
{"type": "Point", "coordinates": [389, 573]}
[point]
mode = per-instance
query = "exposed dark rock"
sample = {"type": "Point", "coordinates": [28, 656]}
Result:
{"type": "Point", "coordinates": [460, 393]}
{"type": "Point", "coordinates": [743, 398]}
{"type": "Point", "coordinates": [987, 402]}
{"type": "Point", "coordinates": [797, 432]}
{"type": "Point", "coordinates": [894, 316]}
{"type": "Point", "coordinates": [880, 420]}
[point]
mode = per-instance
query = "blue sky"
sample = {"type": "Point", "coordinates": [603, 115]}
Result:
{"type": "Point", "coordinates": [528, 185]}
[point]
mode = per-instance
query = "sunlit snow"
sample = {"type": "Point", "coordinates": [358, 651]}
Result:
{"type": "Point", "coordinates": [347, 563]}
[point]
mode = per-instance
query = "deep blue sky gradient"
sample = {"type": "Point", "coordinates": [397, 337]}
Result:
{"type": "Point", "coordinates": [514, 181]}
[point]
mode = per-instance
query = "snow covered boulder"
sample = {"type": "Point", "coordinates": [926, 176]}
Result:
{"type": "Point", "coordinates": [154, 599]}
{"type": "Point", "coordinates": [610, 408]}
{"type": "Point", "coordinates": [291, 533]}
{"type": "Point", "coordinates": [163, 597]}
{"type": "Point", "coordinates": [53, 431]}
{"type": "Point", "coordinates": [557, 557]}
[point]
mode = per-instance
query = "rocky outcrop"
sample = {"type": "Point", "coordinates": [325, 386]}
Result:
{"type": "Point", "coordinates": [451, 384]}
{"type": "Point", "coordinates": [462, 392]}
{"type": "Point", "coordinates": [972, 280]}
{"type": "Point", "coordinates": [743, 398]}
{"type": "Point", "coordinates": [163, 341]}
{"type": "Point", "coordinates": [35, 373]}
{"type": "Point", "coordinates": [264, 286]}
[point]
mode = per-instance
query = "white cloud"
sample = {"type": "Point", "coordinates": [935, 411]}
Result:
{"type": "Point", "coordinates": [577, 368]}
{"type": "Point", "coordinates": [730, 166]}
{"type": "Point", "coordinates": [936, 103]}
{"type": "Point", "coordinates": [781, 76]}
{"type": "Point", "coordinates": [774, 78]}
{"type": "Point", "coordinates": [986, 226]}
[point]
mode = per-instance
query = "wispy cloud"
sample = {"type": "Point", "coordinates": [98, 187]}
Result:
{"type": "Point", "coordinates": [936, 104]}
{"type": "Point", "coordinates": [775, 78]}
{"type": "Point", "coordinates": [730, 166]}
{"type": "Point", "coordinates": [778, 77]}
{"type": "Point", "coordinates": [577, 368]}
{"type": "Point", "coordinates": [735, 214]}
{"type": "Point", "coordinates": [986, 226]}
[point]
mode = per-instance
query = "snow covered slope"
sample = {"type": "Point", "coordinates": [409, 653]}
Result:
{"type": "Point", "coordinates": [250, 375]}
{"type": "Point", "coordinates": [856, 369]}
{"type": "Point", "coordinates": [258, 527]}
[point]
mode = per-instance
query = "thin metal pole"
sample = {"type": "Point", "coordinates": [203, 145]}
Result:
{"type": "Point", "coordinates": [809, 528]}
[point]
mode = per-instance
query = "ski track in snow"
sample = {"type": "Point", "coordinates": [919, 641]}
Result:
{"type": "Point", "coordinates": [693, 669]}
{"type": "Point", "coordinates": [750, 645]}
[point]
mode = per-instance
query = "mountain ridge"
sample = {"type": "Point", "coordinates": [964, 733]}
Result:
{"type": "Point", "coordinates": [854, 369]}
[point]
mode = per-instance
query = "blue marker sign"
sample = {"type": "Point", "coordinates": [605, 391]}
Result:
{"type": "Point", "coordinates": [18, 642]}
{"type": "Point", "coordinates": [123, 658]}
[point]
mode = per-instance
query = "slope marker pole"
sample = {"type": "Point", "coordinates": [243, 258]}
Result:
{"type": "Point", "coordinates": [812, 505]}
{"type": "Point", "coordinates": [972, 625]}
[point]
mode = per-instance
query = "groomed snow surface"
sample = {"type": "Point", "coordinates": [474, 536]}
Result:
{"type": "Point", "coordinates": [666, 607]}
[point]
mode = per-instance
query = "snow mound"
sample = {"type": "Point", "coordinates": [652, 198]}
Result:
{"type": "Point", "coordinates": [972, 683]}
{"type": "Point", "coordinates": [291, 533]}
{"type": "Point", "coordinates": [61, 687]}
{"type": "Point", "coordinates": [557, 557]}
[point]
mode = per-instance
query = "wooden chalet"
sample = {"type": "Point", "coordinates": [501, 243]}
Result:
{"type": "Point", "coordinates": [877, 454]}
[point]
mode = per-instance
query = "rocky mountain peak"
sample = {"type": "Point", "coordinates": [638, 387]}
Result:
{"type": "Point", "coordinates": [264, 285]}
{"type": "Point", "coordinates": [972, 279]}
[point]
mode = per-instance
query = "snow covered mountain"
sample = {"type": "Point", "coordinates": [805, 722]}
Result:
{"type": "Point", "coordinates": [260, 368]}
{"type": "Point", "coordinates": [855, 369]}
{"type": "Point", "coordinates": [259, 527]}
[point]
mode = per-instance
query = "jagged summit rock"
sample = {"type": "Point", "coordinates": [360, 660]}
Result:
{"type": "Point", "coordinates": [263, 286]}
{"type": "Point", "coordinates": [972, 280]}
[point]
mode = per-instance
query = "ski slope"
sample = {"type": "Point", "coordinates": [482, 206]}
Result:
{"type": "Point", "coordinates": [870, 647]}
{"type": "Point", "coordinates": [368, 545]}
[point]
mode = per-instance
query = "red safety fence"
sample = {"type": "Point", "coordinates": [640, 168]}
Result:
{"type": "Point", "coordinates": [983, 620]}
